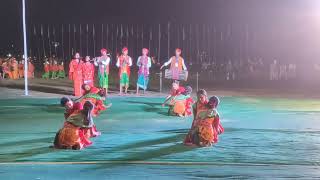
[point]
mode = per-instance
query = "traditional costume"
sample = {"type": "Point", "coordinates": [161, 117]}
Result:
{"type": "Point", "coordinates": [30, 70]}
{"type": "Point", "coordinates": [54, 70]}
{"type": "Point", "coordinates": [14, 69]}
{"type": "Point", "coordinates": [73, 135]}
{"type": "Point", "coordinates": [46, 68]}
{"type": "Point", "coordinates": [206, 124]}
{"type": "Point", "coordinates": [103, 63]}
{"type": "Point", "coordinates": [61, 72]}
{"type": "Point", "coordinates": [96, 97]}
{"type": "Point", "coordinates": [144, 64]}
{"type": "Point", "coordinates": [181, 104]}
{"type": "Point", "coordinates": [6, 70]}
{"type": "Point", "coordinates": [75, 74]}
{"type": "Point", "coordinates": [21, 69]}
{"type": "Point", "coordinates": [176, 65]}
{"type": "Point", "coordinates": [88, 73]}
{"type": "Point", "coordinates": [123, 63]}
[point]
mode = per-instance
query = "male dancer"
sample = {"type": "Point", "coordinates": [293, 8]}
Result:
{"type": "Point", "coordinates": [123, 63]}
{"type": "Point", "coordinates": [176, 64]}
{"type": "Point", "coordinates": [103, 63]}
{"type": "Point", "coordinates": [144, 64]}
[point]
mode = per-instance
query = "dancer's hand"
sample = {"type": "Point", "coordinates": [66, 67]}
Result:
{"type": "Point", "coordinates": [163, 105]}
{"type": "Point", "coordinates": [161, 66]}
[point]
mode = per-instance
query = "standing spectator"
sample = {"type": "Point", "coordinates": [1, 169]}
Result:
{"type": "Point", "coordinates": [75, 74]}
{"type": "Point", "coordinates": [229, 71]}
{"type": "Point", "coordinates": [274, 71]}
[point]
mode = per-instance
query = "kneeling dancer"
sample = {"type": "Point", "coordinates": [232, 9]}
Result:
{"type": "Point", "coordinates": [73, 134]}
{"type": "Point", "coordinates": [206, 124]}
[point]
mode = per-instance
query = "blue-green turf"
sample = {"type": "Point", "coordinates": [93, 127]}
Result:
{"type": "Point", "coordinates": [264, 138]}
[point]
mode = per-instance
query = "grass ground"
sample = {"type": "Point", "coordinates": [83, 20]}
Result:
{"type": "Point", "coordinates": [265, 138]}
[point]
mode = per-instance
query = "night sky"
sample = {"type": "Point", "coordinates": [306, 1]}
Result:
{"type": "Point", "coordinates": [259, 12]}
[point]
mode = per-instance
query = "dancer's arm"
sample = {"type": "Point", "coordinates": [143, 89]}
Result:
{"type": "Point", "coordinates": [166, 63]}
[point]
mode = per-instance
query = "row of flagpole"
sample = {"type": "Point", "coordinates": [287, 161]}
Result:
{"type": "Point", "coordinates": [89, 38]}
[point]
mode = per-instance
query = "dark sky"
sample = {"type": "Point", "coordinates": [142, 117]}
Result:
{"type": "Point", "coordinates": [260, 12]}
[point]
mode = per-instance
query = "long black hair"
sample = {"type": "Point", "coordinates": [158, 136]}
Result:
{"type": "Point", "coordinates": [87, 108]}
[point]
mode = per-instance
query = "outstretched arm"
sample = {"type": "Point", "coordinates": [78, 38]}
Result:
{"type": "Point", "coordinates": [166, 63]}
{"type": "Point", "coordinates": [167, 99]}
{"type": "Point", "coordinates": [183, 65]}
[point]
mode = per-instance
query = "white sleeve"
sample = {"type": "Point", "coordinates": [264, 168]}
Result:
{"type": "Point", "coordinates": [149, 62]}
{"type": "Point", "coordinates": [138, 61]}
{"type": "Point", "coordinates": [95, 62]}
{"type": "Point", "coordinates": [168, 62]}
{"type": "Point", "coordinates": [108, 61]}
{"type": "Point", "coordinates": [118, 62]}
{"type": "Point", "coordinates": [183, 65]}
{"type": "Point", "coordinates": [130, 61]}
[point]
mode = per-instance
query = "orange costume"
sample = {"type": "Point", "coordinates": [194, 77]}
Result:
{"type": "Point", "coordinates": [88, 73]}
{"type": "Point", "coordinates": [30, 70]}
{"type": "Point", "coordinates": [21, 70]}
{"type": "Point", "coordinates": [6, 69]}
{"type": "Point", "coordinates": [14, 69]}
{"type": "Point", "coordinates": [75, 74]}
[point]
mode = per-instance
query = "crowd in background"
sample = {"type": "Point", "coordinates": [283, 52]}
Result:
{"type": "Point", "coordinates": [250, 69]}
{"type": "Point", "coordinates": [13, 68]}
{"type": "Point", "coordinates": [256, 68]}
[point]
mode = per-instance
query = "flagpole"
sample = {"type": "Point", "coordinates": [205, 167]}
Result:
{"type": "Point", "coordinates": [168, 39]}
{"type": "Point", "coordinates": [159, 43]}
{"type": "Point", "coordinates": [25, 49]}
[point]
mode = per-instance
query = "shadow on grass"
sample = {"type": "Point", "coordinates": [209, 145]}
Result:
{"type": "Point", "coordinates": [13, 157]}
{"type": "Point", "coordinates": [26, 142]}
{"type": "Point", "coordinates": [139, 144]}
{"type": "Point", "coordinates": [145, 103]}
{"type": "Point", "coordinates": [147, 155]}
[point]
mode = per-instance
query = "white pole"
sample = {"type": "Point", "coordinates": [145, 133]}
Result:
{"type": "Point", "coordinates": [25, 49]}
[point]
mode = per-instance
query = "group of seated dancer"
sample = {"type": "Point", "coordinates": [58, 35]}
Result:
{"type": "Point", "coordinates": [179, 100]}
{"type": "Point", "coordinates": [206, 124]}
{"type": "Point", "coordinates": [79, 127]}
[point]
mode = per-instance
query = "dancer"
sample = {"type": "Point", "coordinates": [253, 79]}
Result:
{"type": "Point", "coordinates": [30, 69]}
{"type": "Point", "coordinates": [75, 74]}
{"type": "Point", "coordinates": [96, 96]}
{"type": "Point", "coordinates": [46, 68]}
{"type": "Point", "coordinates": [181, 104]}
{"type": "Point", "coordinates": [88, 72]}
{"type": "Point", "coordinates": [6, 69]}
{"type": "Point", "coordinates": [206, 124]}
{"type": "Point", "coordinates": [176, 64]}
{"type": "Point", "coordinates": [174, 92]}
{"type": "Point", "coordinates": [21, 69]}
{"type": "Point", "coordinates": [55, 69]}
{"type": "Point", "coordinates": [78, 120]}
{"type": "Point", "coordinates": [103, 63]}
{"type": "Point", "coordinates": [124, 63]}
{"type": "Point", "coordinates": [144, 64]}
{"type": "Point", "coordinates": [61, 72]}
{"type": "Point", "coordinates": [14, 68]}
{"type": "Point", "coordinates": [189, 101]}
